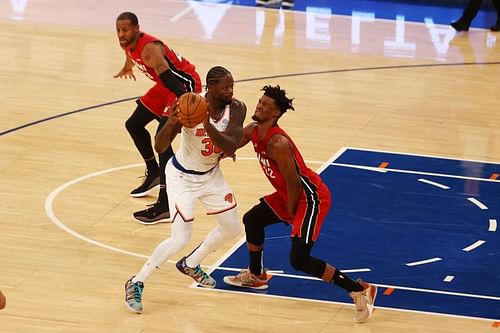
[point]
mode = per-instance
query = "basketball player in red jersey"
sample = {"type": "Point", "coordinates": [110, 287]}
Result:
{"type": "Point", "coordinates": [173, 75]}
{"type": "Point", "coordinates": [301, 200]}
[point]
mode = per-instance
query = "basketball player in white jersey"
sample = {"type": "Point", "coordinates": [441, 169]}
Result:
{"type": "Point", "coordinates": [194, 173]}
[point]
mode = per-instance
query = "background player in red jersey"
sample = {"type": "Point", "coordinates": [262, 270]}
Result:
{"type": "Point", "coordinates": [173, 75]}
{"type": "Point", "coordinates": [301, 200]}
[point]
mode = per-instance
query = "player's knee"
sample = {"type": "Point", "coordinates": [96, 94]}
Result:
{"type": "Point", "coordinates": [229, 224]}
{"type": "Point", "coordinates": [250, 217]}
{"type": "Point", "coordinates": [131, 126]}
{"type": "Point", "coordinates": [300, 255]}
{"type": "Point", "coordinates": [298, 259]}
{"type": "Point", "coordinates": [180, 240]}
{"type": "Point", "coordinates": [253, 220]}
{"type": "Point", "coordinates": [232, 230]}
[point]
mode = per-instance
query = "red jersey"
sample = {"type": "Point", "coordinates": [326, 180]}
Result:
{"type": "Point", "coordinates": [181, 67]}
{"type": "Point", "coordinates": [270, 167]}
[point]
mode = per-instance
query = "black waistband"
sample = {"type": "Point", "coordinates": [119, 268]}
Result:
{"type": "Point", "coordinates": [192, 172]}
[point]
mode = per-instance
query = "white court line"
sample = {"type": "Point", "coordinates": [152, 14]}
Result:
{"type": "Point", "coordinates": [477, 203]}
{"type": "Point", "coordinates": [474, 246]}
{"type": "Point", "coordinates": [255, 293]}
{"type": "Point", "coordinates": [430, 182]}
{"type": "Point", "coordinates": [419, 155]}
{"type": "Point", "coordinates": [362, 167]}
{"type": "Point", "coordinates": [293, 276]}
{"type": "Point", "coordinates": [50, 213]}
{"type": "Point", "coordinates": [49, 201]}
{"type": "Point", "coordinates": [430, 291]}
{"type": "Point", "coordinates": [52, 216]}
{"type": "Point", "coordinates": [423, 262]}
{"type": "Point", "coordinates": [413, 172]}
{"type": "Point", "coordinates": [182, 13]}
{"type": "Point", "coordinates": [448, 278]}
{"type": "Point", "coordinates": [493, 225]}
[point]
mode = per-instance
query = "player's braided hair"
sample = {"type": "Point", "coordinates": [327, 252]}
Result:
{"type": "Point", "coordinates": [128, 16]}
{"type": "Point", "coordinates": [216, 73]}
{"type": "Point", "coordinates": [279, 96]}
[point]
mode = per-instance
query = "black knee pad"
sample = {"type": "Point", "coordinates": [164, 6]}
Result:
{"type": "Point", "coordinates": [299, 255]}
{"type": "Point", "coordinates": [131, 125]}
{"type": "Point", "coordinates": [256, 219]}
{"type": "Point", "coordinates": [139, 118]}
{"type": "Point", "coordinates": [301, 259]}
{"type": "Point", "coordinates": [254, 228]}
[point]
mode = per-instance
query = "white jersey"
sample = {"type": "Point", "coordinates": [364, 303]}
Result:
{"type": "Point", "coordinates": [196, 151]}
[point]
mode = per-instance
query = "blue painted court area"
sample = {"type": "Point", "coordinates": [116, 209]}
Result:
{"type": "Point", "coordinates": [439, 11]}
{"type": "Point", "coordinates": [424, 226]}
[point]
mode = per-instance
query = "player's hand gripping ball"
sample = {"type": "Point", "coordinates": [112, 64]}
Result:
{"type": "Point", "coordinates": [192, 109]}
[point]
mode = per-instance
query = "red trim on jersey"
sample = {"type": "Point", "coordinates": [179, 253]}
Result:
{"type": "Point", "coordinates": [177, 211]}
{"type": "Point", "coordinates": [222, 211]}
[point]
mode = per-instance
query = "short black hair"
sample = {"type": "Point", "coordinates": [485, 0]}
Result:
{"type": "Point", "coordinates": [279, 96]}
{"type": "Point", "coordinates": [128, 16]}
{"type": "Point", "coordinates": [216, 73]}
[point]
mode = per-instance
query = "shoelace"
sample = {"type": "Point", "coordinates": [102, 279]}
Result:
{"type": "Point", "coordinates": [145, 177]}
{"type": "Point", "coordinates": [152, 206]}
{"type": "Point", "coordinates": [136, 292]}
{"type": "Point", "coordinates": [358, 300]}
{"type": "Point", "coordinates": [200, 275]}
{"type": "Point", "coordinates": [247, 277]}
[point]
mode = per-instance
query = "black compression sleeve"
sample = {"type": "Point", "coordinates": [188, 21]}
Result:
{"type": "Point", "coordinates": [171, 82]}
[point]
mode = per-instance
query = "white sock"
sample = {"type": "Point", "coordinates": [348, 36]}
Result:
{"type": "Point", "coordinates": [145, 272]}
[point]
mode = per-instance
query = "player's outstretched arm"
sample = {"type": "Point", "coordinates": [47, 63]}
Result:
{"type": "Point", "coordinates": [247, 134]}
{"type": "Point", "coordinates": [126, 71]}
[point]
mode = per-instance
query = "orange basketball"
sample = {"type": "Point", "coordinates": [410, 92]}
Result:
{"type": "Point", "coordinates": [192, 109]}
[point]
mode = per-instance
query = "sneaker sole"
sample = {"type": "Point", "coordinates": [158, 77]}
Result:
{"type": "Point", "coordinates": [143, 194]}
{"type": "Point", "coordinates": [229, 281]}
{"type": "Point", "coordinates": [204, 285]}
{"type": "Point", "coordinates": [131, 308]}
{"type": "Point", "coordinates": [164, 220]}
{"type": "Point", "coordinates": [371, 305]}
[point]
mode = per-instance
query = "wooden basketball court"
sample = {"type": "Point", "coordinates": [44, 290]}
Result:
{"type": "Point", "coordinates": [68, 241]}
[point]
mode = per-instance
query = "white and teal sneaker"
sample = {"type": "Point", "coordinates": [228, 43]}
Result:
{"type": "Point", "coordinates": [133, 295]}
{"type": "Point", "coordinates": [196, 273]}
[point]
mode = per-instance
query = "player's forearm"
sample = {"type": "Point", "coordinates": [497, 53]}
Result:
{"type": "Point", "coordinates": [227, 143]}
{"type": "Point", "coordinates": [128, 65]}
{"type": "Point", "coordinates": [163, 139]}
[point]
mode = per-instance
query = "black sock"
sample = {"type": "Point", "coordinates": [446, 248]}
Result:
{"type": "Point", "coordinates": [256, 262]}
{"type": "Point", "coordinates": [162, 197]}
{"type": "Point", "coordinates": [345, 282]}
